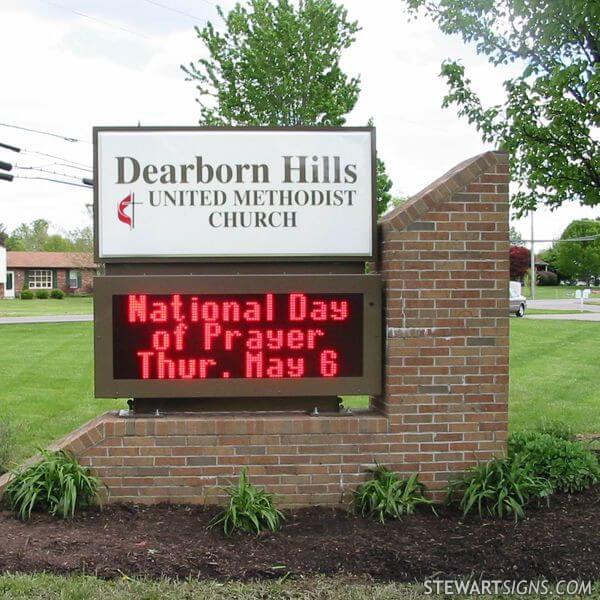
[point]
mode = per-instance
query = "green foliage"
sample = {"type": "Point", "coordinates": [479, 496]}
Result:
{"type": "Point", "coordinates": [499, 488]}
{"type": "Point", "coordinates": [546, 278]}
{"type": "Point", "coordinates": [386, 496]}
{"type": "Point", "coordinates": [579, 260]}
{"type": "Point", "coordinates": [276, 63]}
{"type": "Point", "coordinates": [7, 443]}
{"type": "Point", "coordinates": [42, 294]}
{"type": "Point", "coordinates": [515, 237]}
{"type": "Point", "coordinates": [36, 237]}
{"type": "Point", "coordinates": [567, 466]}
{"type": "Point", "coordinates": [547, 122]}
{"type": "Point", "coordinates": [250, 509]}
{"type": "Point", "coordinates": [57, 294]}
{"type": "Point", "coordinates": [557, 429]}
{"type": "Point", "coordinates": [26, 294]}
{"type": "Point", "coordinates": [57, 484]}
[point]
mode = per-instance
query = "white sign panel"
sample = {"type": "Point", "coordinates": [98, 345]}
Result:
{"type": "Point", "coordinates": [234, 193]}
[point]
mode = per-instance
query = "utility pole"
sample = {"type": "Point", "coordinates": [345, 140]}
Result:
{"type": "Point", "coordinates": [532, 261]}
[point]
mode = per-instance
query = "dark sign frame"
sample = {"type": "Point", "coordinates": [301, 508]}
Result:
{"type": "Point", "coordinates": [367, 285]}
{"type": "Point", "coordinates": [371, 257]}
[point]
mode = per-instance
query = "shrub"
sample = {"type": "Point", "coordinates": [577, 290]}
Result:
{"type": "Point", "coordinates": [556, 429]}
{"type": "Point", "coordinates": [57, 294]}
{"type": "Point", "coordinates": [386, 496]}
{"type": "Point", "coordinates": [499, 488]}
{"type": "Point", "coordinates": [42, 295]}
{"type": "Point", "coordinates": [7, 443]}
{"type": "Point", "coordinates": [26, 295]}
{"type": "Point", "coordinates": [57, 484]}
{"type": "Point", "coordinates": [250, 509]}
{"type": "Point", "coordinates": [568, 466]}
{"type": "Point", "coordinates": [547, 278]}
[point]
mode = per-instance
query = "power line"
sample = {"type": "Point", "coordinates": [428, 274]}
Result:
{"type": "Point", "coordinates": [87, 167]}
{"type": "Point", "coordinates": [181, 12]}
{"type": "Point", "coordinates": [60, 164]}
{"type": "Point", "coordinates": [49, 172]}
{"type": "Point", "coordinates": [107, 23]}
{"type": "Point", "coordinates": [50, 179]}
{"type": "Point", "coordinates": [57, 135]}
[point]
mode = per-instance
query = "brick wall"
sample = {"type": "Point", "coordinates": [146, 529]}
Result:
{"type": "Point", "coordinates": [444, 260]}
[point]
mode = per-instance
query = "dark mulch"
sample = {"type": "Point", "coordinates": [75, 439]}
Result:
{"type": "Point", "coordinates": [560, 542]}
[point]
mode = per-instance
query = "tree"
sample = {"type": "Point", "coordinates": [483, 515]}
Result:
{"type": "Point", "coordinates": [515, 237]}
{"type": "Point", "coordinates": [82, 240]}
{"type": "Point", "coordinates": [520, 262]}
{"type": "Point", "coordinates": [3, 234]}
{"type": "Point", "coordinates": [580, 260]}
{"type": "Point", "coordinates": [549, 120]}
{"type": "Point", "coordinates": [30, 237]}
{"type": "Point", "coordinates": [276, 64]}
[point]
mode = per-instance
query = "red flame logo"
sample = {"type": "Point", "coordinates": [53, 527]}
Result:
{"type": "Point", "coordinates": [121, 214]}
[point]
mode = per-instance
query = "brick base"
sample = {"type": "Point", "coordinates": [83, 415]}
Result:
{"type": "Point", "coordinates": [305, 460]}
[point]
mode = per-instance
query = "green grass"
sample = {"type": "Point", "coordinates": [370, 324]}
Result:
{"type": "Point", "coordinates": [553, 292]}
{"type": "Point", "coordinates": [551, 311]}
{"type": "Point", "coordinates": [34, 308]}
{"type": "Point", "coordinates": [52, 587]}
{"type": "Point", "coordinates": [46, 381]}
{"type": "Point", "coordinates": [46, 377]}
{"type": "Point", "coordinates": [554, 367]}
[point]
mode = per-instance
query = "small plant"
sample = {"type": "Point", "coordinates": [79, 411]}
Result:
{"type": "Point", "coordinates": [568, 466]}
{"type": "Point", "coordinates": [250, 509]}
{"type": "Point", "coordinates": [556, 429]}
{"type": "Point", "coordinates": [386, 496]}
{"type": "Point", "coordinates": [57, 294]}
{"type": "Point", "coordinates": [499, 488]}
{"type": "Point", "coordinates": [57, 484]}
{"type": "Point", "coordinates": [26, 295]}
{"type": "Point", "coordinates": [7, 443]}
{"type": "Point", "coordinates": [42, 295]}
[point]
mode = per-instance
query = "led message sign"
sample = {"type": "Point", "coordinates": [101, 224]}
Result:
{"type": "Point", "coordinates": [185, 336]}
{"type": "Point", "coordinates": [179, 336]}
{"type": "Point", "coordinates": [234, 193]}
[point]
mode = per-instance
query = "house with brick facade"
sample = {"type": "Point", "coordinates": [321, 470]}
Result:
{"type": "Point", "coordinates": [71, 272]}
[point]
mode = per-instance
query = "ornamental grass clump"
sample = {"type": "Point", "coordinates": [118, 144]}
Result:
{"type": "Point", "coordinates": [501, 487]}
{"type": "Point", "coordinates": [386, 496]}
{"type": "Point", "coordinates": [568, 466]}
{"type": "Point", "coordinates": [57, 485]}
{"type": "Point", "coordinates": [250, 509]}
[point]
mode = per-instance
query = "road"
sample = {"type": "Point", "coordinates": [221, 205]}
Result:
{"type": "Point", "coordinates": [571, 304]}
{"type": "Point", "coordinates": [47, 319]}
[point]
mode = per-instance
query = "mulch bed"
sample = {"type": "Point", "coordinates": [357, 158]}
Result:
{"type": "Point", "coordinates": [560, 542]}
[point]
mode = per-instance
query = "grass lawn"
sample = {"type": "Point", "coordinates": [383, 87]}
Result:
{"type": "Point", "coordinates": [551, 311]}
{"type": "Point", "coordinates": [47, 587]}
{"type": "Point", "coordinates": [554, 367]}
{"type": "Point", "coordinates": [35, 307]}
{"type": "Point", "coordinates": [553, 292]}
{"type": "Point", "coordinates": [46, 381]}
{"type": "Point", "coordinates": [46, 377]}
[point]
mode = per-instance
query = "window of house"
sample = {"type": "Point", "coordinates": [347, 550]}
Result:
{"type": "Point", "coordinates": [40, 279]}
{"type": "Point", "coordinates": [74, 279]}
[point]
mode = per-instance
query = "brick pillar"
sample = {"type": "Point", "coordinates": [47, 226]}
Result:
{"type": "Point", "coordinates": [444, 260]}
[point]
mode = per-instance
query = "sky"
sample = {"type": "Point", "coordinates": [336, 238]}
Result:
{"type": "Point", "coordinates": [69, 65]}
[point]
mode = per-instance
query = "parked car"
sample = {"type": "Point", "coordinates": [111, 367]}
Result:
{"type": "Point", "coordinates": [518, 302]}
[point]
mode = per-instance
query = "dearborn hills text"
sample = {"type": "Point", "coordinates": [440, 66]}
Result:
{"type": "Point", "coordinates": [296, 170]}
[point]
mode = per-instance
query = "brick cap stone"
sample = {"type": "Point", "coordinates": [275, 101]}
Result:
{"type": "Point", "coordinates": [436, 192]}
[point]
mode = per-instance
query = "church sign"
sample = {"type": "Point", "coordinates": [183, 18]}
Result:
{"type": "Point", "coordinates": [226, 194]}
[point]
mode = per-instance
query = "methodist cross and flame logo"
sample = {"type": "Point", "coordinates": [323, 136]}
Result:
{"type": "Point", "coordinates": [123, 206]}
